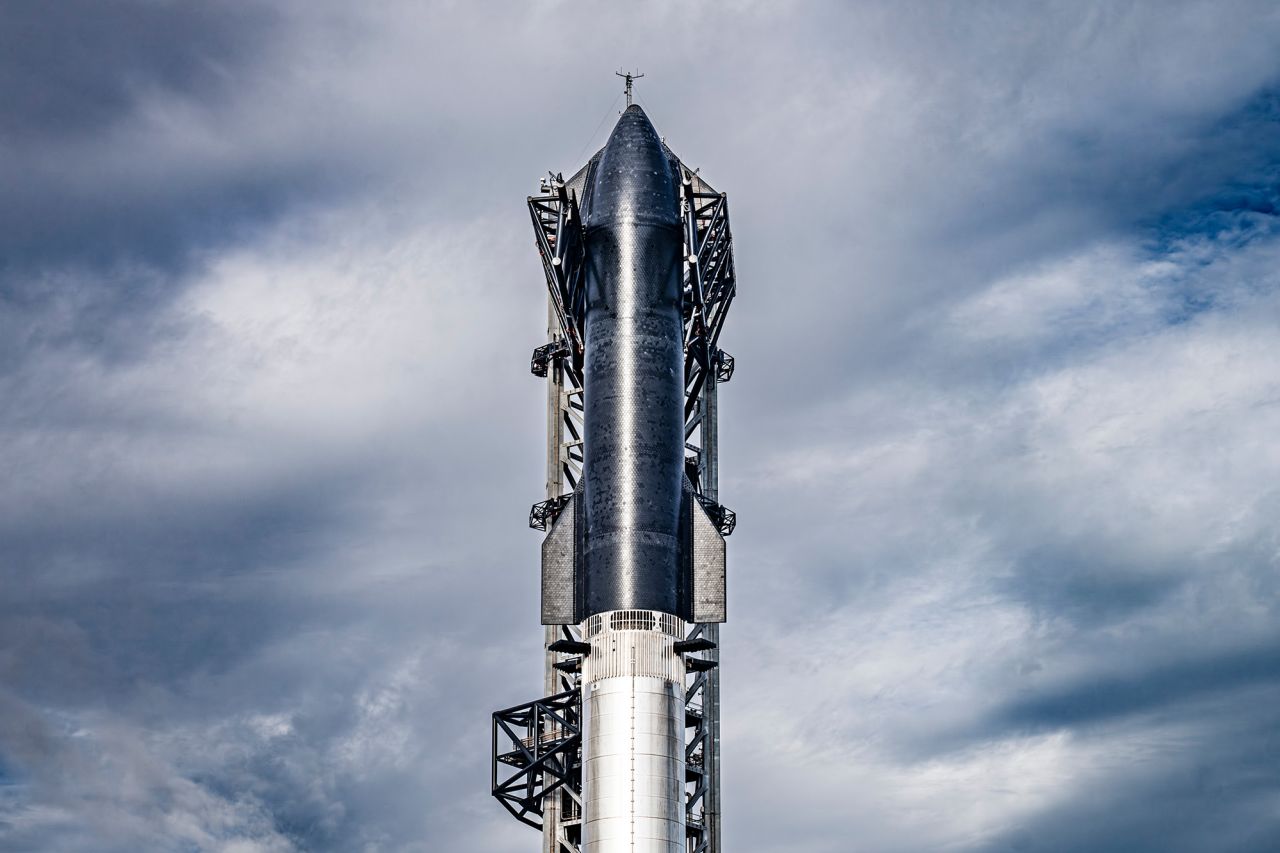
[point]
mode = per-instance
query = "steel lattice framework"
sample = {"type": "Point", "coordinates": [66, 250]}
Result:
{"type": "Point", "coordinates": [542, 741]}
{"type": "Point", "coordinates": [537, 746]}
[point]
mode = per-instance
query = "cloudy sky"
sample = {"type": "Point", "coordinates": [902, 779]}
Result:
{"type": "Point", "coordinates": [1002, 438]}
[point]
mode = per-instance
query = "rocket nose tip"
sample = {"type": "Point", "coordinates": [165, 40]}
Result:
{"type": "Point", "coordinates": [633, 181]}
{"type": "Point", "coordinates": [634, 118]}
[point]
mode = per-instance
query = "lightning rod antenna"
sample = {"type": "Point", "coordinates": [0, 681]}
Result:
{"type": "Point", "coordinates": [630, 78]}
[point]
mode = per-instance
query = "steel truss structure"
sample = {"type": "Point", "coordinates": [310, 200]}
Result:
{"type": "Point", "coordinates": [537, 746]}
{"type": "Point", "coordinates": [542, 741]}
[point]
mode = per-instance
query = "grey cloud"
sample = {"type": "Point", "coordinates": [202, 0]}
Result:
{"type": "Point", "coordinates": [76, 79]}
{"type": "Point", "coordinates": [80, 67]}
{"type": "Point", "coordinates": [1211, 794]}
{"type": "Point", "coordinates": [1155, 687]}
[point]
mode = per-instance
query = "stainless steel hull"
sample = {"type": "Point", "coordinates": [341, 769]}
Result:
{"type": "Point", "coordinates": [633, 767]}
{"type": "Point", "coordinates": [633, 465]}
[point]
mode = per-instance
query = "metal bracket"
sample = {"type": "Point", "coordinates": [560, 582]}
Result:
{"type": "Point", "coordinates": [724, 366]}
{"type": "Point", "coordinates": [545, 354]}
{"type": "Point", "coordinates": [701, 644]}
{"type": "Point", "coordinates": [570, 647]}
{"type": "Point", "coordinates": [543, 514]}
{"type": "Point", "coordinates": [722, 517]}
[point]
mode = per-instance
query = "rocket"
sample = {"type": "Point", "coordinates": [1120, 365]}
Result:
{"type": "Point", "coordinates": [633, 557]}
{"type": "Point", "coordinates": [638, 259]}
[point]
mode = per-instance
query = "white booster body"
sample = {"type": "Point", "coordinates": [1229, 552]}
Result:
{"type": "Point", "coordinates": [633, 769]}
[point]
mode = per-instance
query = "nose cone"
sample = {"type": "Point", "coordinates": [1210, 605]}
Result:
{"type": "Point", "coordinates": [633, 183]}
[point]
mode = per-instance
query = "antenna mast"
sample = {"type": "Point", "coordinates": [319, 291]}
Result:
{"type": "Point", "coordinates": [630, 78]}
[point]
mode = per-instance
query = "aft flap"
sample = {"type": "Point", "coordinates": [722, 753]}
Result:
{"type": "Point", "coordinates": [703, 562]}
{"type": "Point", "coordinates": [560, 574]}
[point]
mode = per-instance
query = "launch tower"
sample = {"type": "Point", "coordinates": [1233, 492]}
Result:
{"type": "Point", "coordinates": [623, 752]}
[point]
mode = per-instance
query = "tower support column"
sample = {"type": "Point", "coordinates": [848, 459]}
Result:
{"type": "Point", "coordinates": [710, 475]}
